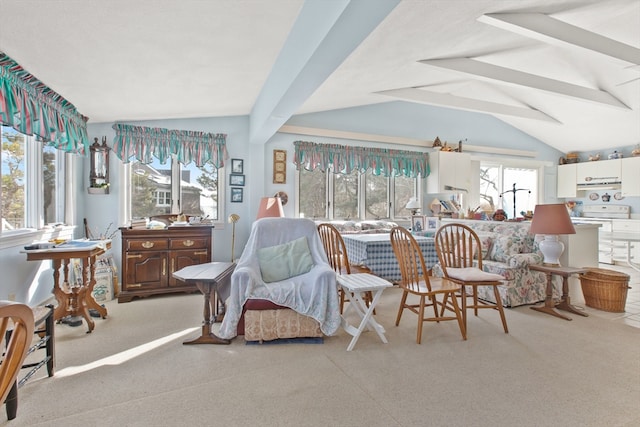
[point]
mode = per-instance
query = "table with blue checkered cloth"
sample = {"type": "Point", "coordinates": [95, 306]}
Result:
{"type": "Point", "coordinates": [375, 252]}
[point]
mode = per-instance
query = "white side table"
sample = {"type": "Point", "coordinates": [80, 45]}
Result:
{"type": "Point", "coordinates": [358, 285]}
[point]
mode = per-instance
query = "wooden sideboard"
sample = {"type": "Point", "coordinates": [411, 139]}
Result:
{"type": "Point", "coordinates": [150, 257]}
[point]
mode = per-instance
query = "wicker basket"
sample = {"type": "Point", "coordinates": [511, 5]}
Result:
{"type": "Point", "coordinates": [605, 289]}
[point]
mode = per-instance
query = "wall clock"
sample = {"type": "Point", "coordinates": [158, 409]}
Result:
{"type": "Point", "coordinates": [279, 166]}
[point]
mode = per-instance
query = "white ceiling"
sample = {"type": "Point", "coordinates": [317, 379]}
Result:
{"type": "Point", "coordinates": [121, 60]}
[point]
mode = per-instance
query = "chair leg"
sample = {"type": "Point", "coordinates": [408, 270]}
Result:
{"type": "Point", "coordinates": [500, 309]}
{"type": "Point", "coordinates": [461, 323]}
{"type": "Point", "coordinates": [421, 319]}
{"type": "Point", "coordinates": [403, 301]}
{"type": "Point", "coordinates": [50, 345]}
{"type": "Point", "coordinates": [11, 403]}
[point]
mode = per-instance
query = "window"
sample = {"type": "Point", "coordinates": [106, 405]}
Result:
{"type": "Point", "coordinates": [497, 185]}
{"type": "Point", "coordinates": [153, 185]}
{"type": "Point", "coordinates": [354, 196]}
{"type": "Point", "coordinates": [32, 192]}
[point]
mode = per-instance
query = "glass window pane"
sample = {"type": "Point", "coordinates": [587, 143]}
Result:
{"type": "Point", "coordinates": [199, 188]}
{"type": "Point", "coordinates": [150, 185]}
{"type": "Point", "coordinates": [490, 188]}
{"type": "Point", "coordinates": [13, 179]}
{"type": "Point", "coordinates": [526, 184]}
{"type": "Point", "coordinates": [404, 190]}
{"type": "Point", "coordinates": [376, 196]}
{"type": "Point", "coordinates": [313, 190]}
{"type": "Point", "coordinates": [49, 184]}
{"type": "Point", "coordinates": [345, 195]}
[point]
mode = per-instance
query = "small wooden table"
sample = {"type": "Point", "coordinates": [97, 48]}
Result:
{"type": "Point", "coordinates": [76, 300]}
{"type": "Point", "coordinates": [565, 303]}
{"type": "Point", "coordinates": [358, 285]}
{"type": "Point", "coordinates": [207, 277]}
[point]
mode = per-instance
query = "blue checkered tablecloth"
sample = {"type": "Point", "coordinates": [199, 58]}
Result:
{"type": "Point", "coordinates": [374, 251]}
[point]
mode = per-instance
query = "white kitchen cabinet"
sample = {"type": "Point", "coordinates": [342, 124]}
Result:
{"type": "Point", "coordinates": [449, 171]}
{"type": "Point", "coordinates": [630, 173]}
{"type": "Point", "coordinates": [602, 170]}
{"type": "Point", "coordinates": [620, 248]}
{"type": "Point", "coordinates": [567, 180]}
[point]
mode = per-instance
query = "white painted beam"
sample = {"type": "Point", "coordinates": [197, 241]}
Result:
{"type": "Point", "coordinates": [323, 36]}
{"type": "Point", "coordinates": [550, 30]}
{"type": "Point", "coordinates": [493, 73]}
{"type": "Point", "coordinates": [462, 103]}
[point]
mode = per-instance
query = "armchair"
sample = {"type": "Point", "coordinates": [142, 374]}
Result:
{"type": "Point", "coordinates": [277, 243]}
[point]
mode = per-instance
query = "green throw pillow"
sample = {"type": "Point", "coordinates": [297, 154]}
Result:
{"type": "Point", "coordinates": [283, 261]}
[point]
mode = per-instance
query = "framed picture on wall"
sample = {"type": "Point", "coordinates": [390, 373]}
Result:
{"type": "Point", "coordinates": [236, 179]}
{"type": "Point", "coordinates": [279, 166]}
{"type": "Point", "coordinates": [417, 223]}
{"type": "Point", "coordinates": [237, 166]}
{"type": "Point", "coordinates": [431, 223]}
{"type": "Point", "coordinates": [236, 195]}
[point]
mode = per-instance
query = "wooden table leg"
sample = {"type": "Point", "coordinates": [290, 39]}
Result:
{"type": "Point", "coordinates": [549, 306]}
{"type": "Point", "coordinates": [207, 337]}
{"type": "Point", "coordinates": [89, 299]}
{"type": "Point", "coordinates": [565, 303]}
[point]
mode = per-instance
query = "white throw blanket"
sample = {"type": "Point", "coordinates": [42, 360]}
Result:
{"type": "Point", "coordinates": [312, 294]}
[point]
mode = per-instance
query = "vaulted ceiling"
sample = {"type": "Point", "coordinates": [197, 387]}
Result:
{"type": "Point", "coordinates": [567, 72]}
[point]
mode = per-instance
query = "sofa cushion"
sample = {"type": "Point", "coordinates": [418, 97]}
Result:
{"type": "Point", "coordinates": [503, 247]}
{"type": "Point", "coordinates": [281, 262]}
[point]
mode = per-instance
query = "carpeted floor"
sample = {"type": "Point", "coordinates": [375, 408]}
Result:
{"type": "Point", "coordinates": [134, 371]}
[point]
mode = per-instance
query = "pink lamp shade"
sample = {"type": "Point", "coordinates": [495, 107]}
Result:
{"type": "Point", "coordinates": [551, 220]}
{"type": "Point", "coordinates": [270, 207]}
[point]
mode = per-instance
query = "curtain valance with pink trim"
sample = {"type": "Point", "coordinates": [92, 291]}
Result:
{"type": "Point", "coordinates": [346, 159]}
{"type": "Point", "coordinates": [146, 143]}
{"type": "Point", "coordinates": [32, 108]}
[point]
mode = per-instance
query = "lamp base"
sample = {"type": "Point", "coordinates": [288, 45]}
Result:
{"type": "Point", "coordinates": [551, 249]}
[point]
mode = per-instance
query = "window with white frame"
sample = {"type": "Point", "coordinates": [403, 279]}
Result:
{"type": "Point", "coordinates": [354, 196]}
{"type": "Point", "coordinates": [33, 184]}
{"type": "Point", "coordinates": [501, 185]}
{"type": "Point", "coordinates": [152, 188]}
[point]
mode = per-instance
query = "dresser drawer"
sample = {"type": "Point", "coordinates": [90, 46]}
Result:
{"type": "Point", "coordinates": [189, 243]}
{"type": "Point", "coordinates": [147, 244]}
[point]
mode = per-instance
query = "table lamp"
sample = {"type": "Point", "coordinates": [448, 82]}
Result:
{"type": "Point", "coordinates": [551, 220]}
{"type": "Point", "coordinates": [413, 205]}
{"type": "Point", "coordinates": [270, 207]}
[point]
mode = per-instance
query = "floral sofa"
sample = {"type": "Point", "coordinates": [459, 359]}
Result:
{"type": "Point", "coordinates": [361, 227]}
{"type": "Point", "coordinates": [508, 249]}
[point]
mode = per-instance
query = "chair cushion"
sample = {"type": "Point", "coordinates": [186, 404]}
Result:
{"type": "Point", "coordinates": [281, 262]}
{"type": "Point", "coordinates": [503, 247]}
{"type": "Point", "coordinates": [472, 274]}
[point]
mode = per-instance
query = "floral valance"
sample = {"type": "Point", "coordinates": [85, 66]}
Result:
{"type": "Point", "coordinates": [32, 108]}
{"type": "Point", "coordinates": [346, 159]}
{"type": "Point", "coordinates": [145, 143]}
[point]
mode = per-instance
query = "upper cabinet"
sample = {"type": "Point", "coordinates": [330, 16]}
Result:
{"type": "Point", "coordinates": [567, 180]}
{"type": "Point", "coordinates": [598, 172]}
{"type": "Point", "coordinates": [630, 173]}
{"type": "Point", "coordinates": [449, 171]}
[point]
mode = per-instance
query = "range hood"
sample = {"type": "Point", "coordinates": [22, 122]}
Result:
{"type": "Point", "coordinates": [600, 183]}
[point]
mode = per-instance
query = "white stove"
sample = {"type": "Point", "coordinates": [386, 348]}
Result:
{"type": "Point", "coordinates": [606, 211]}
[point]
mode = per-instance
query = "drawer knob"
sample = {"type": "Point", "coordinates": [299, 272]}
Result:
{"type": "Point", "coordinates": [147, 245]}
{"type": "Point", "coordinates": [188, 243]}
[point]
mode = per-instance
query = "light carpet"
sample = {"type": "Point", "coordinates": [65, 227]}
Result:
{"type": "Point", "coordinates": [134, 371]}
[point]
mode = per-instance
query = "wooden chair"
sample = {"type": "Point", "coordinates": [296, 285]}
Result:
{"type": "Point", "coordinates": [45, 332]}
{"type": "Point", "coordinates": [415, 281]}
{"type": "Point", "coordinates": [21, 317]}
{"type": "Point", "coordinates": [338, 259]}
{"type": "Point", "coordinates": [460, 254]}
